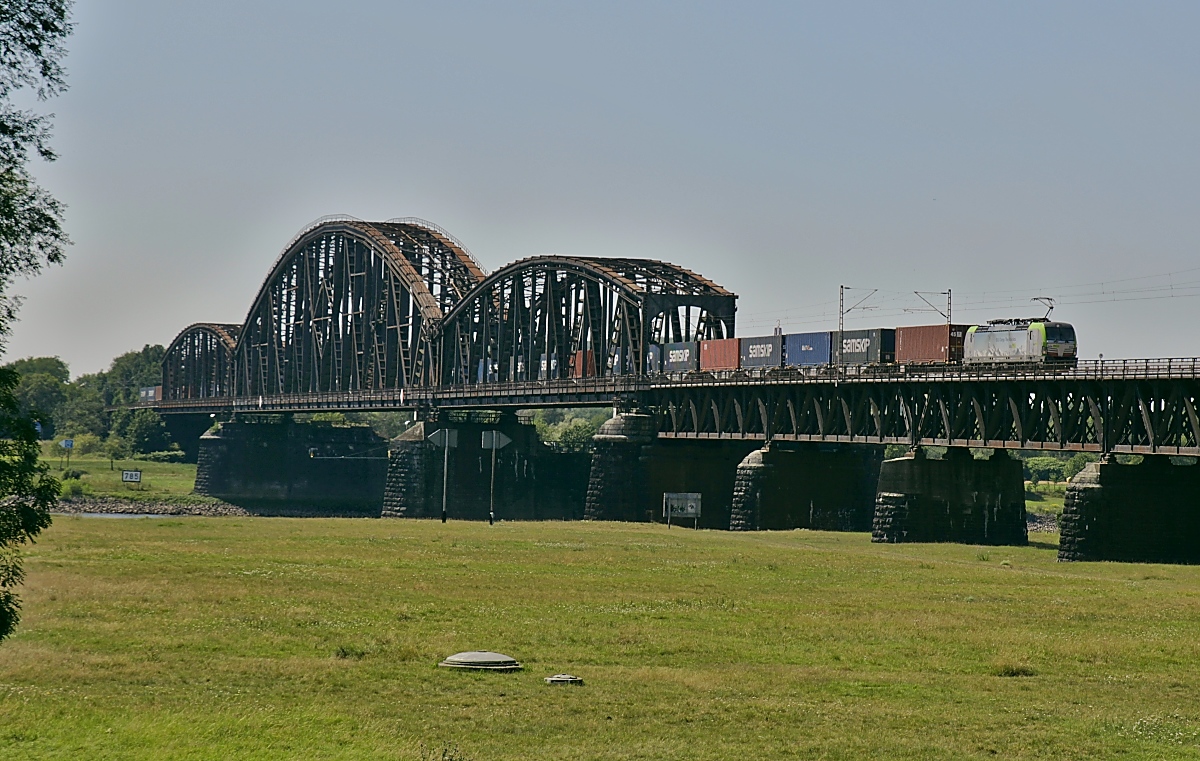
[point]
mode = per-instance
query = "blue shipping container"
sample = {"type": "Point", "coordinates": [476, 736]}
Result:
{"type": "Point", "coordinates": [681, 357]}
{"type": "Point", "coordinates": [806, 349]}
{"type": "Point", "coordinates": [654, 360]}
{"type": "Point", "coordinates": [765, 351]}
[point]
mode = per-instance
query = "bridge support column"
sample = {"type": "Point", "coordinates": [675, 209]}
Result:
{"type": "Point", "coordinates": [1148, 512]}
{"type": "Point", "coordinates": [273, 465]}
{"type": "Point", "coordinates": [955, 499]}
{"type": "Point", "coordinates": [826, 487]}
{"type": "Point", "coordinates": [617, 481]}
{"type": "Point", "coordinates": [704, 466]}
{"type": "Point", "coordinates": [533, 482]}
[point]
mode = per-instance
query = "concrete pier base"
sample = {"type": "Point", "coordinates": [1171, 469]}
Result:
{"type": "Point", "coordinates": [617, 479]}
{"type": "Point", "coordinates": [273, 465]}
{"type": "Point", "coordinates": [955, 499]}
{"type": "Point", "coordinates": [1148, 512]}
{"type": "Point", "coordinates": [533, 482]}
{"type": "Point", "coordinates": [818, 486]}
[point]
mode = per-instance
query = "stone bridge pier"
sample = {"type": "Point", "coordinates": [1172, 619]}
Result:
{"type": "Point", "coordinates": [273, 465]}
{"type": "Point", "coordinates": [1148, 512]}
{"type": "Point", "coordinates": [955, 499]}
{"type": "Point", "coordinates": [743, 487]}
{"type": "Point", "coordinates": [533, 481]}
{"type": "Point", "coordinates": [632, 468]}
{"type": "Point", "coordinates": [786, 485]}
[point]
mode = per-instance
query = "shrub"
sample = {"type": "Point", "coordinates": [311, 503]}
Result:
{"type": "Point", "coordinates": [1044, 469]}
{"type": "Point", "coordinates": [88, 443]}
{"type": "Point", "coordinates": [73, 489]}
{"type": "Point", "coordinates": [146, 431]}
{"type": "Point", "coordinates": [169, 455]}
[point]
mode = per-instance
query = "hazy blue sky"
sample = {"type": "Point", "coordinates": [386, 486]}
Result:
{"type": "Point", "coordinates": [1005, 150]}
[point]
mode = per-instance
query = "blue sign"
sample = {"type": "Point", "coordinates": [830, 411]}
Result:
{"type": "Point", "coordinates": [67, 443]}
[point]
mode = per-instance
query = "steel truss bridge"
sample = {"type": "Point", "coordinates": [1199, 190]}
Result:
{"type": "Point", "coordinates": [398, 315]}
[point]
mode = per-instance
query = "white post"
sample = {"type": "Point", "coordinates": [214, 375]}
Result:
{"type": "Point", "coordinates": [492, 489]}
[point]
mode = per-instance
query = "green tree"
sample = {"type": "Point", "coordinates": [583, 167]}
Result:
{"type": "Point", "coordinates": [29, 492]}
{"type": "Point", "coordinates": [32, 34]}
{"type": "Point", "coordinates": [1045, 469]}
{"type": "Point", "coordinates": [39, 396]}
{"type": "Point", "coordinates": [47, 365]}
{"type": "Point", "coordinates": [116, 448]}
{"type": "Point", "coordinates": [146, 432]}
{"type": "Point", "coordinates": [131, 372]}
{"type": "Point", "coordinates": [81, 411]}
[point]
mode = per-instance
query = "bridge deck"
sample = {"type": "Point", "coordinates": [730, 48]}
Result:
{"type": "Point", "coordinates": [1135, 406]}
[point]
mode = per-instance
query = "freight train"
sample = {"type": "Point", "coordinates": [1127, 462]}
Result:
{"type": "Point", "coordinates": [1019, 342]}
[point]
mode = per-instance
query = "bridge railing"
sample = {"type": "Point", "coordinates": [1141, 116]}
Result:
{"type": "Point", "coordinates": [596, 390]}
{"type": "Point", "coordinates": [558, 392]}
{"type": "Point", "coordinates": [1184, 368]}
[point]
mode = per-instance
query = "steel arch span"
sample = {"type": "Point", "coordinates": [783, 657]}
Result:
{"type": "Point", "coordinates": [199, 362]}
{"type": "Point", "coordinates": [352, 306]}
{"type": "Point", "coordinates": [551, 317]}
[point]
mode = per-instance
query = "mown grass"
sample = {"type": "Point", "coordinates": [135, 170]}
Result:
{"type": "Point", "coordinates": [1045, 498]}
{"type": "Point", "coordinates": [257, 638]}
{"type": "Point", "coordinates": [160, 480]}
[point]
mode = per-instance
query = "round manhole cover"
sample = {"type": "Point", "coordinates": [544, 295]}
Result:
{"type": "Point", "coordinates": [563, 679]}
{"type": "Point", "coordinates": [481, 659]}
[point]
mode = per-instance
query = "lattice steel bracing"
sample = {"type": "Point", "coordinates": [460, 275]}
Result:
{"type": "Point", "coordinates": [352, 306]}
{"type": "Point", "coordinates": [199, 362]}
{"type": "Point", "coordinates": [1147, 416]}
{"type": "Point", "coordinates": [558, 317]}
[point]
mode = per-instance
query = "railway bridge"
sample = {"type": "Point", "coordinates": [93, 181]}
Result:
{"type": "Point", "coordinates": [361, 316]}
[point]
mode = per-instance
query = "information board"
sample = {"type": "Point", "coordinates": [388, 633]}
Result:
{"type": "Point", "coordinates": [131, 476]}
{"type": "Point", "coordinates": [681, 505]}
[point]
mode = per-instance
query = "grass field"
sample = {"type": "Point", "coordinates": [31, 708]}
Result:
{"type": "Point", "coordinates": [1045, 498]}
{"type": "Point", "coordinates": [257, 638]}
{"type": "Point", "coordinates": [160, 480]}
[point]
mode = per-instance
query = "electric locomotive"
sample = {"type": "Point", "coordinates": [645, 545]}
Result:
{"type": "Point", "coordinates": [1020, 341]}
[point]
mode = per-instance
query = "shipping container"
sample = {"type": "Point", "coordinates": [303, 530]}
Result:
{"type": "Point", "coordinates": [623, 362]}
{"type": "Point", "coordinates": [806, 349]}
{"type": "Point", "coordinates": [654, 360]}
{"type": "Point", "coordinates": [925, 344]}
{"type": "Point", "coordinates": [681, 357]}
{"type": "Point", "coordinates": [493, 374]}
{"type": "Point", "coordinates": [584, 364]}
{"type": "Point", "coordinates": [616, 367]}
{"type": "Point", "coordinates": [764, 351]}
{"type": "Point", "coordinates": [864, 347]}
{"type": "Point", "coordinates": [719, 354]}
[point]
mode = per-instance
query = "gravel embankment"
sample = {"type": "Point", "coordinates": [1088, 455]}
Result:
{"type": "Point", "coordinates": [1043, 523]}
{"type": "Point", "coordinates": [79, 505]}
